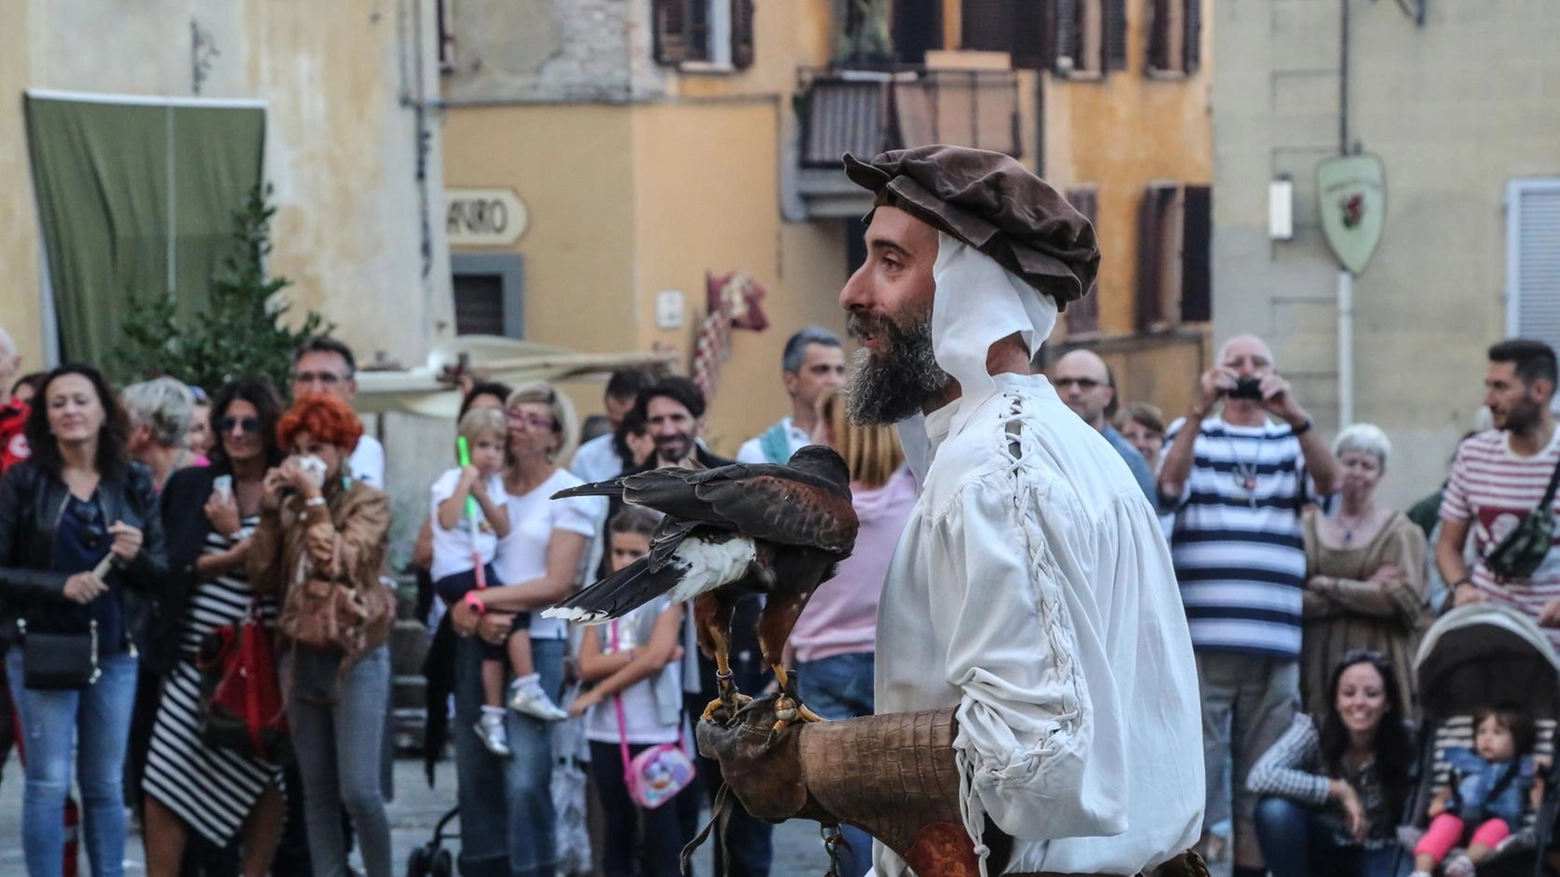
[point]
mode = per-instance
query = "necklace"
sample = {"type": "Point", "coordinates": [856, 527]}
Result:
{"type": "Point", "coordinates": [1246, 473]}
{"type": "Point", "coordinates": [1359, 521]}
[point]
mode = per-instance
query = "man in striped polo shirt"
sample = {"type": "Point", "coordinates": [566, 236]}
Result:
{"type": "Point", "coordinates": [1237, 483]}
{"type": "Point", "coordinates": [1498, 477]}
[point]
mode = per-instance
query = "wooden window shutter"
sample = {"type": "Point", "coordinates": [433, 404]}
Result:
{"type": "Point", "coordinates": [670, 21]}
{"type": "Point", "coordinates": [987, 25]}
{"type": "Point", "coordinates": [1115, 34]}
{"type": "Point", "coordinates": [1083, 315]}
{"type": "Point", "coordinates": [1159, 34]}
{"type": "Point", "coordinates": [1145, 311]}
{"type": "Point", "coordinates": [742, 34]}
{"type": "Point", "coordinates": [1197, 254]}
{"type": "Point", "coordinates": [1192, 49]}
{"type": "Point", "coordinates": [1034, 37]}
{"type": "Point", "coordinates": [1067, 37]}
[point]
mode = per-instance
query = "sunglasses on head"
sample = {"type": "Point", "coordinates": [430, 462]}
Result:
{"type": "Point", "coordinates": [244, 424]}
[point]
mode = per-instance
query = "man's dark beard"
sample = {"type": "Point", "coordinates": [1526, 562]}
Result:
{"type": "Point", "coordinates": [1524, 416]}
{"type": "Point", "coordinates": [682, 445]}
{"type": "Point", "coordinates": [901, 378]}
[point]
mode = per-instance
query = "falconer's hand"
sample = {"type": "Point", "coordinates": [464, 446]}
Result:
{"type": "Point", "coordinates": [763, 770]}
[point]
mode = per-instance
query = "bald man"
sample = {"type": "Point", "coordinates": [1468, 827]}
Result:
{"type": "Point", "coordinates": [1085, 383]}
{"type": "Point", "coordinates": [1237, 482]}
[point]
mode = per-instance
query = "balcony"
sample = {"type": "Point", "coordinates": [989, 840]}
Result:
{"type": "Point", "coordinates": [865, 112]}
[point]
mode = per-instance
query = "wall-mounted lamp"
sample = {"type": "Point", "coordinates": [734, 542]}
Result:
{"type": "Point", "coordinates": [1281, 208]}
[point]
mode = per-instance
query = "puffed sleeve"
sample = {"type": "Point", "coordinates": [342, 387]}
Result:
{"type": "Point", "coordinates": [1039, 748]}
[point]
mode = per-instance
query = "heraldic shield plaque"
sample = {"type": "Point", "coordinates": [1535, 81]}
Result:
{"type": "Point", "coordinates": [1353, 194]}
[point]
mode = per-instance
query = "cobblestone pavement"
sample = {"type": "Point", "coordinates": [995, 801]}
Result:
{"type": "Point", "coordinates": [413, 815]}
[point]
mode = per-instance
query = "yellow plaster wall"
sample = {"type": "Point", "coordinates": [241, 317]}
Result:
{"type": "Point", "coordinates": [788, 34]}
{"type": "Point", "coordinates": [707, 200]}
{"type": "Point", "coordinates": [20, 306]}
{"type": "Point", "coordinates": [1120, 134]}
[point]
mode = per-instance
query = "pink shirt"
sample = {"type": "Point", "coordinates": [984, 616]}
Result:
{"type": "Point", "coordinates": [841, 617]}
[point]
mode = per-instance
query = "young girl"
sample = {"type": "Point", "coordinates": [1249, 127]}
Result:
{"type": "Point", "coordinates": [633, 661]}
{"type": "Point", "coordinates": [459, 542]}
{"type": "Point", "coordinates": [1491, 783]}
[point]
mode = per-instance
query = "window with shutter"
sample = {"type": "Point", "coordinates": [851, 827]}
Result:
{"type": "Point", "coordinates": [1533, 259]}
{"type": "Point", "coordinates": [1034, 35]}
{"type": "Point", "coordinates": [742, 34]}
{"type": "Point", "coordinates": [444, 11]}
{"type": "Point", "coordinates": [1115, 34]}
{"type": "Point", "coordinates": [670, 21]}
{"type": "Point", "coordinates": [1196, 255]}
{"type": "Point", "coordinates": [1191, 55]}
{"type": "Point", "coordinates": [1066, 33]}
{"type": "Point", "coordinates": [1082, 37]}
{"type": "Point", "coordinates": [987, 25]}
{"type": "Point", "coordinates": [1174, 35]}
{"type": "Point", "coordinates": [918, 28]}
{"type": "Point", "coordinates": [1083, 315]}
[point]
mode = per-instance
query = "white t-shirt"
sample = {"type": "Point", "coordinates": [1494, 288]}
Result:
{"type": "Point", "coordinates": [642, 720]}
{"type": "Point", "coordinates": [522, 555]}
{"type": "Point", "coordinates": [597, 460]}
{"type": "Point", "coordinates": [752, 450]}
{"type": "Point", "coordinates": [368, 462]}
{"type": "Point", "coordinates": [453, 548]}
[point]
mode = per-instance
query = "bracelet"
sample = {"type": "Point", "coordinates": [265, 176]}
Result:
{"type": "Point", "coordinates": [243, 533]}
{"type": "Point", "coordinates": [474, 603]}
{"type": "Point", "coordinates": [1302, 429]}
{"type": "Point", "coordinates": [314, 501]}
{"type": "Point", "coordinates": [1460, 582]}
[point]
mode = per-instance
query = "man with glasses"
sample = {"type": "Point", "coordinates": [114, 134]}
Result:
{"type": "Point", "coordinates": [1086, 385]}
{"type": "Point", "coordinates": [325, 365]}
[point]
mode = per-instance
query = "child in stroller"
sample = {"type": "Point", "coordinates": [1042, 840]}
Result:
{"type": "Point", "coordinates": [1492, 783]}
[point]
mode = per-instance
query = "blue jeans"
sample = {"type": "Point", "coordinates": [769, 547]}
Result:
{"type": "Point", "coordinates": [94, 722]}
{"type": "Point", "coordinates": [840, 687]}
{"type": "Point", "coordinates": [339, 750]}
{"type": "Point", "coordinates": [1295, 843]}
{"type": "Point", "coordinates": [506, 812]}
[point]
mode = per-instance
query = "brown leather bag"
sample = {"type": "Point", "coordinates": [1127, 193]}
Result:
{"type": "Point", "coordinates": [326, 615]}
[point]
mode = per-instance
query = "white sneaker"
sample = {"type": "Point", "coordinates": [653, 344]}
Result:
{"type": "Point", "coordinates": [490, 728]}
{"type": "Point", "coordinates": [533, 701]}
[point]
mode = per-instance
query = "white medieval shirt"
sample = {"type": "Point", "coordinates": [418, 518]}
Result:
{"type": "Point", "coordinates": [1033, 590]}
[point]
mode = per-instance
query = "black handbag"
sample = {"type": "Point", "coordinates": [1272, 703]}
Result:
{"type": "Point", "coordinates": [1528, 543]}
{"type": "Point", "coordinates": [59, 661]}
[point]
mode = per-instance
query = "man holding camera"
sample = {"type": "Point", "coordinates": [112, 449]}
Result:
{"type": "Point", "coordinates": [1237, 483]}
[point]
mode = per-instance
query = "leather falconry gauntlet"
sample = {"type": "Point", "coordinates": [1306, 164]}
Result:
{"type": "Point", "coordinates": [893, 776]}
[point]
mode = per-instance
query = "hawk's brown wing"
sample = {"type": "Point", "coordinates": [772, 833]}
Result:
{"type": "Point", "coordinates": [761, 502]}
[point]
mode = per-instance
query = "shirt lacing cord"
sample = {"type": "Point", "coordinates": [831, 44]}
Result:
{"type": "Point", "coordinates": [970, 809]}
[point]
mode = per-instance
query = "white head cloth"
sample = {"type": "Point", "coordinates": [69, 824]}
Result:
{"type": "Point", "coordinates": [976, 304]}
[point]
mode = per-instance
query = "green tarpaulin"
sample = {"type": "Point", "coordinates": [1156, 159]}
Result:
{"type": "Point", "coordinates": [135, 197]}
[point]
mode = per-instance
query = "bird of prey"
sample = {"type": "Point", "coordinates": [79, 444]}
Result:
{"type": "Point", "coordinates": [777, 530]}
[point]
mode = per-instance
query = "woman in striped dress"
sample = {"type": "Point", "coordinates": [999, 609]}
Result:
{"type": "Point", "coordinates": [189, 785]}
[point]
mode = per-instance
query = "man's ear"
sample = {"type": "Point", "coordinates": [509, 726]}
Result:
{"type": "Point", "coordinates": [790, 379]}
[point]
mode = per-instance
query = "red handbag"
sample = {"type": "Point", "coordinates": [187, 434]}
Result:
{"type": "Point", "coordinates": [244, 710]}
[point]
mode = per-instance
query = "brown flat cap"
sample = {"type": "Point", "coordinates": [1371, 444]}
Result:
{"type": "Point", "coordinates": [994, 204]}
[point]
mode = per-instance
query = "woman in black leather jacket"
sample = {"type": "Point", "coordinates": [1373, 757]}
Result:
{"type": "Point", "coordinates": [80, 542]}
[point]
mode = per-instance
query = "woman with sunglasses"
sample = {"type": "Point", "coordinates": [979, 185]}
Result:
{"type": "Point", "coordinates": [210, 515]}
{"type": "Point", "coordinates": [78, 527]}
{"type": "Point", "coordinates": [1334, 787]}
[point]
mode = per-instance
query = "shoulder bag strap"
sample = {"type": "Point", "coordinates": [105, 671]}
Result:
{"type": "Point", "coordinates": [1549, 492]}
{"type": "Point", "coordinates": [617, 704]}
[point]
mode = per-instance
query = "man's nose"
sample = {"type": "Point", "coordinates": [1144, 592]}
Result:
{"type": "Point", "coordinates": [856, 293]}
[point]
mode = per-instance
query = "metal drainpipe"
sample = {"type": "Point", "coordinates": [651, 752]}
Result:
{"type": "Point", "coordinates": [1345, 279]}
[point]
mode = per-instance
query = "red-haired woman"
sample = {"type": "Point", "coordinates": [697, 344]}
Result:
{"type": "Point", "coordinates": [315, 517]}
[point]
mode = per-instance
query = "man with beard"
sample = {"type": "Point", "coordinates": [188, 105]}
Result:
{"type": "Point", "coordinates": [672, 410]}
{"type": "Point", "coordinates": [1500, 477]}
{"type": "Point", "coordinates": [1035, 686]}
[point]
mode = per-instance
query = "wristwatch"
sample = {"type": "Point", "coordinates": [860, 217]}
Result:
{"type": "Point", "coordinates": [474, 603]}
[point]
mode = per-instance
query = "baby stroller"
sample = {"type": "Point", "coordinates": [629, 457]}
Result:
{"type": "Point", "coordinates": [1477, 655]}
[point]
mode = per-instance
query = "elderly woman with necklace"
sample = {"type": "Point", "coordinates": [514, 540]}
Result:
{"type": "Point", "coordinates": [1365, 573]}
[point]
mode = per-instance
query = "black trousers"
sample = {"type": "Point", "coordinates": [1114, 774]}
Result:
{"type": "Point", "coordinates": [657, 835]}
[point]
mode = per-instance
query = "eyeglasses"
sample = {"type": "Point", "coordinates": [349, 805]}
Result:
{"type": "Point", "coordinates": [244, 424]}
{"type": "Point", "coordinates": [1080, 383]}
{"type": "Point", "coordinates": [533, 421]}
{"type": "Point", "coordinates": [326, 378]}
{"type": "Point", "coordinates": [199, 395]}
{"type": "Point", "coordinates": [91, 531]}
{"type": "Point", "coordinates": [1358, 656]}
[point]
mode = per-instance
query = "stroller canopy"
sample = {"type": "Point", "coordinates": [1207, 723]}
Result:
{"type": "Point", "coordinates": [1483, 654]}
